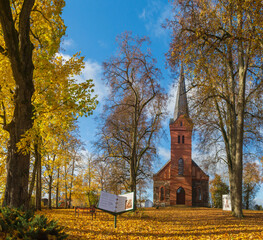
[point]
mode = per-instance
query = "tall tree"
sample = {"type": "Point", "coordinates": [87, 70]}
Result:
{"type": "Point", "coordinates": [57, 95]}
{"type": "Point", "coordinates": [217, 189]}
{"type": "Point", "coordinates": [30, 30]}
{"type": "Point", "coordinates": [221, 43]}
{"type": "Point", "coordinates": [102, 173]}
{"type": "Point", "coordinates": [19, 49]}
{"type": "Point", "coordinates": [135, 107]}
{"type": "Point", "coordinates": [251, 182]}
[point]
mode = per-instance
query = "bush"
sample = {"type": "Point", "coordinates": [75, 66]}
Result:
{"type": "Point", "coordinates": [17, 224]}
{"type": "Point", "coordinates": [258, 207]}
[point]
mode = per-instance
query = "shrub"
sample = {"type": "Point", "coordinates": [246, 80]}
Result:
{"type": "Point", "coordinates": [17, 224]}
{"type": "Point", "coordinates": [258, 207]}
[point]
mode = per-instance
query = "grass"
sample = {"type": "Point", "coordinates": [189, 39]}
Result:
{"type": "Point", "coordinates": [162, 223]}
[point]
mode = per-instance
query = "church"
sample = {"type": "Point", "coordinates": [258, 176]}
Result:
{"type": "Point", "coordinates": [181, 180]}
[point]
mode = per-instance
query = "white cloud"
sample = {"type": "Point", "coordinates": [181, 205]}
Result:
{"type": "Point", "coordinates": [171, 99]}
{"type": "Point", "coordinates": [92, 70]}
{"type": "Point", "coordinates": [155, 15]}
{"type": "Point", "coordinates": [65, 57]}
{"type": "Point", "coordinates": [102, 44]}
{"type": "Point", "coordinates": [164, 154]}
{"type": "Point", "coordinates": [142, 15]}
{"type": "Point", "coordinates": [67, 43]}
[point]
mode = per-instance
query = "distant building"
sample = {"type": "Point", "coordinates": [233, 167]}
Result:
{"type": "Point", "coordinates": [181, 180]}
{"type": "Point", "coordinates": [147, 203]}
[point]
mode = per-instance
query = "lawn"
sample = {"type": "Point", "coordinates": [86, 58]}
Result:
{"type": "Point", "coordinates": [162, 223]}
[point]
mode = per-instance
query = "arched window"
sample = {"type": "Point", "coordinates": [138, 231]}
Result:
{"type": "Point", "coordinates": [178, 139]}
{"type": "Point", "coordinates": [180, 166]}
{"type": "Point", "coordinates": [182, 139]}
{"type": "Point", "coordinates": [181, 124]}
{"type": "Point", "coordinates": [199, 194]}
{"type": "Point", "coordinates": [162, 194]}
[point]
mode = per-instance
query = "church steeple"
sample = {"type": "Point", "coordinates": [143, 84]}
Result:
{"type": "Point", "coordinates": [181, 105]}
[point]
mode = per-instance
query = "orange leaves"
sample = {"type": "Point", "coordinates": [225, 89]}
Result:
{"type": "Point", "coordinates": [162, 223]}
{"type": "Point", "coordinates": [252, 173]}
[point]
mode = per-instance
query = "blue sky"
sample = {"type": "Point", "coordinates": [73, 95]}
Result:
{"type": "Point", "coordinates": [92, 27]}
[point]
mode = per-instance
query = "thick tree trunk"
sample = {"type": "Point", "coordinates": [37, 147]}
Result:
{"type": "Point", "coordinates": [16, 191]}
{"type": "Point", "coordinates": [235, 180]}
{"type": "Point", "coordinates": [19, 50]}
{"type": "Point", "coordinates": [237, 194]}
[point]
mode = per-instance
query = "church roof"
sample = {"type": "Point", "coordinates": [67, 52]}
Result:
{"type": "Point", "coordinates": [195, 164]}
{"type": "Point", "coordinates": [162, 168]}
{"type": "Point", "coordinates": [181, 105]}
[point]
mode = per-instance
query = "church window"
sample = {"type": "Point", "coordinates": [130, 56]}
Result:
{"type": "Point", "coordinates": [181, 167]}
{"type": "Point", "coordinates": [182, 139]}
{"type": "Point", "coordinates": [181, 124]}
{"type": "Point", "coordinates": [162, 194]}
{"type": "Point", "coordinates": [199, 194]}
{"type": "Point", "coordinates": [178, 139]}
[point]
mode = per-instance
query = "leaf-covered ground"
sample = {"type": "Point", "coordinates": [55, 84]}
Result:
{"type": "Point", "coordinates": [163, 223]}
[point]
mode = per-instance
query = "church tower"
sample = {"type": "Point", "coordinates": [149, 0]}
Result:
{"type": "Point", "coordinates": [181, 180]}
{"type": "Point", "coordinates": [181, 149]}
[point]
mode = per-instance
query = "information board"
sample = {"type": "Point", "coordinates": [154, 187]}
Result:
{"type": "Point", "coordinates": [116, 203]}
{"type": "Point", "coordinates": [226, 201]}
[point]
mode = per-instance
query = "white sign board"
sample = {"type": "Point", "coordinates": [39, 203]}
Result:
{"type": "Point", "coordinates": [116, 203]}
{"type": "Point", "coordinates": [226, 200]}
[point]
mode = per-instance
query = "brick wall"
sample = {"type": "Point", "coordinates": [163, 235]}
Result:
{"type": "Point", "coordinates": [171, 177]}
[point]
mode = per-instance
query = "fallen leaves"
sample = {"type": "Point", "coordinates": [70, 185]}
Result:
{"type": "Point", "coordinates": [162, 223]}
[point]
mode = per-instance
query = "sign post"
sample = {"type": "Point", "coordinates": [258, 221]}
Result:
{"type": "Point", "coordinates": [115, 221]}
{"type": "Point", "coordinates": [116, 204]}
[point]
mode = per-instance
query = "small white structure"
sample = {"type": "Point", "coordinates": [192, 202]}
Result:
{"type": "Point", "coordinates": [147, 203]}
{"type": "Point", "coordinates": [226, 200]}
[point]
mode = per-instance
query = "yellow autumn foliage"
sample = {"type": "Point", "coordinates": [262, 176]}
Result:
{"type": "Point", "coordinates": [162, 223]}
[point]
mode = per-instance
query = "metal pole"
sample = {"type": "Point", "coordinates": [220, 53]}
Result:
{"type": "Point", "coordinates": [115, 221]}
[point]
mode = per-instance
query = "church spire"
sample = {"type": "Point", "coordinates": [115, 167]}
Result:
{"type": "Point", "coordinates": [181, 105]}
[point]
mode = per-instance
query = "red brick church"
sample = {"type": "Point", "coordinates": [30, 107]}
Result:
{"type": "Point", "coordinates": [181, 180]}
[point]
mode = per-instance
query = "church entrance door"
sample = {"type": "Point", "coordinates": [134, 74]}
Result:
{"type": "Point", "coordinates": [180, 196]}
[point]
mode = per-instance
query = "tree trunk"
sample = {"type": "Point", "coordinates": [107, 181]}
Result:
{"type": "Point", "coordinates": [38, 179]}
{"type": "Point", "coordinates": [50, 191]}
{"type": "Point", "coordinates": [66, 188]}
{"type": "Point", "coordinates": [133, 184]}
{"type": "Point", "coordinates": [247, 199]}
{"type": "Point", "coordinates": [19, 50]}
{"type": "Point", "coordinates": [57, 189]}
{"type": "Point", "coordinates": [33, 178]}
{"type": "Point", "coordinates": [71, 182]}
